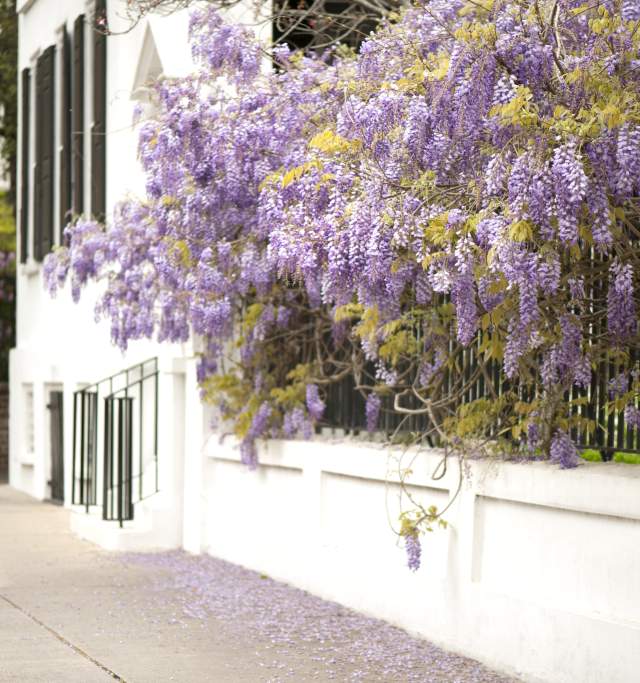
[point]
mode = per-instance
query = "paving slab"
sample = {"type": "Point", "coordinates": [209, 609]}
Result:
{"type": "Point", "coordinates": [70, 611]}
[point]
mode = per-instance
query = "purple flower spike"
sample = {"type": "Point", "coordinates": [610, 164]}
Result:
{"type": "Point", "coordinates": [563, 451]}
{"type": "Point", "coordinates": [315, 405]}
{"type": "Point", "coordinates": [414, 551]}
{"type": "Point", "coordinates": [372, 410]}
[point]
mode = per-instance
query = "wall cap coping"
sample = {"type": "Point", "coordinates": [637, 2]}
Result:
{"type": "Point", "coordinates": [596, 488]}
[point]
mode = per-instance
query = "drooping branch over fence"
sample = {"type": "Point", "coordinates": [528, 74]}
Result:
{"type": "Point", "coordinates": [447, 220]}
{"type": "Point", "coordinates": [306, 24]}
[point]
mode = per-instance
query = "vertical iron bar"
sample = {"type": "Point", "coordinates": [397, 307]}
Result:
{"type": "Point", "coordinates": [75, 439]}
{"type": "Point", "coordinates": [155, 426]}
{"type": "Point", "coordinates": [141, 425]}
{"type": "Point", "coordinates": [105, 472]}
{"type": "Point", "coordinates": [94, 441]}
{"type": "Point", "coordinates": [630, 429]}
{"type": "Point", "coordinates": [611, 433]}
{"type": "Point", "coordinates": [82, 454]}
{"type": "Point", "coordinates": [87, 444]}
{"type": "Point", "coordinates": [120, 449]}
{"type": "Point", "coordinates": [620, 435]}
{"type": "Point", "coordinates": [602, 392]}
{"type": "Point", "coordinates": [129, 461]}
{"type": "Point", "coordinates": [88, 450]}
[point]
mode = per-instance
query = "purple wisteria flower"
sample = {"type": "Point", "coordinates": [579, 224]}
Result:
{"type": "Point", "coordinates": [621, 309]}
{"type": "Point", "coordinates": [618, 385]}
{"type": "Point", "coordinates": [563, 451]}
{"type": "Point", "coordinates": [414, 551]}
{"type": "Point", "coordinates": [632, 417]}
{"type": "Point", "coordinates": [315, 405]}
{"type": "Point", "coordinates": [296, 422]}
{"type": "Point", "coordinates": [372, 411]}
{"type": "Point", "coordinates": [571, 190]}
{"type": "Point", "coordinates": [259, 427]}
{"type": "Point", "coordinates": [402, 209]}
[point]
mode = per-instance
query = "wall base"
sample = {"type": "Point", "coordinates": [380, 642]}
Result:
{"type": "Point", "coordinates": [153, 528]}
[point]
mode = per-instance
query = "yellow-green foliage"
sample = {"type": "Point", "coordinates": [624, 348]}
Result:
{"type": "Point", "coordinates": [475, 418]}
{"type": "Point", "coordinates": [7, 225]}
{"type": "Point", "coordinates": [521, 231]}
{"type": "Point", "coordinates": [294, 393]}
{"type": "Point", "coordinates": [436, 232]}
{"type": "Point", "coordinates": [347, 312]}
{"type": "Point", "coordinates": [413, 522]}
{"type": "Point", "coordinates": [227, 385]}
{"type": "Point", "coordinates": [628, 458]}
{"type": "Point", "coordinates": [245, 418]}
{"type": "Point", "coordinates": [179, 251]}
{"type": "Point", "coordinates": [296, 173]}
{"type": "Point", "coordinates": [408, 527]}
{"type": "Point", "coordinates": [368, 327]}
{"type": "Point", "coordinates": [591, 455]}
{"type": "Point", "coordinates": [332, 143]}
{"type": "Point", "coordinates": [520, 110]}
{"type": "Point", "coordinates": [398, 342]}
{"type": "Point", "coordinates": [251, 317]}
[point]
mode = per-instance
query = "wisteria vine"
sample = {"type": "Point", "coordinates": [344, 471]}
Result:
{"type": "Point", "coordinates": [449, 217]}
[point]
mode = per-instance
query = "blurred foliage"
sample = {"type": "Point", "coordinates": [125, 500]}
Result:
{"type": "Point", "coordinates": [629, 458]}
{"type": "Point", "coordinates": [591, 454]}
{"type": "Point", "coordinates": [7, 284]}
{"type": "Point", "coordinates": [9, 90]}
{"type": "Point", "coordinates": [7, 225]}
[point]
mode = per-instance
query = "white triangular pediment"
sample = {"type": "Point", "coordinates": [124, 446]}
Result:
{"type": "Point", "coordinates": [149, 67]}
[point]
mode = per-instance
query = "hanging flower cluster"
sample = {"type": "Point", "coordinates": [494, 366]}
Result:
{"type": "Point", "coordinates": [448, 216]}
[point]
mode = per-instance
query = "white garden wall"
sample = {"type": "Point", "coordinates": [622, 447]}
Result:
{"type": "Point", "coordinates": [536, 575]}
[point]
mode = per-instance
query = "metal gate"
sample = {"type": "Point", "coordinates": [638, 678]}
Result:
{"type": "Point", "coordinates": [115, 442]}
{"type": "Point", "coordinates": [56, 420]}
{"type": "Point", "coordinates": [117, 499]}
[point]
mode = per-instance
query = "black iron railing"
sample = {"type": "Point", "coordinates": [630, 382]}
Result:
{"type": "Point", "coordinates": [115, 442]}
{"type": "Point", "coordinates": [608, 431]}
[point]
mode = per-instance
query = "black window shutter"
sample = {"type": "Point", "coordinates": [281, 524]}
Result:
{"type": "Point", "coordinates": [45, 133]}
{"type": "Point", "coordinates": [25, 165]}
{"type": "Point", "coordinates": [99, 128]}
{"type": "Point", "coordinates": [37, 204]}
{"type": "Point", "coordinates": [77, 116]}
{"type": "Point", "coordinates": [65, 133]}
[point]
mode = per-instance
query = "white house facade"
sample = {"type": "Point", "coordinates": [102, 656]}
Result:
{"type": "Point", "coordinates": [537, 571]}
{"type": "Point", "coordinates": [77, 155]}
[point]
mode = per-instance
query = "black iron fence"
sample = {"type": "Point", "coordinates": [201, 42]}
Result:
{"type": "Point", "coordinates": [603, 427]}
{"type": "Point", "coordinates": [115, 442]}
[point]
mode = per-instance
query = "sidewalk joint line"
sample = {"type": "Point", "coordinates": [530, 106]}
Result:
{"type": "Point", "coordinates": [62, 639]}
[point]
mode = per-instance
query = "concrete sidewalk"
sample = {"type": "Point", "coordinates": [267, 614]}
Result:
{"type": "Point", "coordinates": [72, 612]}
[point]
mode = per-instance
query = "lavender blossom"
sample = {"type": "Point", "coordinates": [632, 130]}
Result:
{"type": "Point", "coordinates": [260, 421]}
{"type": "Point", "coordinates": [315, 405]}
{"type": "Point", "coordinates": [618, 385]}
{"type": "Point", "coordinates": [248, 453]}
{"type": "Point", "coordinates": [632, 417]}
{"type": "Point", "coordinates": [621, 309]}
{"type": "Point", "coordinates": [414, 551]}
{"type": "Point", "coordinates": [273, 201]}
{"type": "Point", "coordinates": [563, 451]}
{"type": "Point", "coordinates": [372, 411]}
{"type": "Point", "coordinates": [571, 190]}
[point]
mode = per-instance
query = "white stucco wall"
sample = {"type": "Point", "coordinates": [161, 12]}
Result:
{"type": "Point", "coordinates": [536, 574]}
